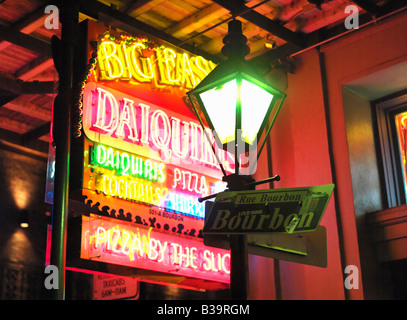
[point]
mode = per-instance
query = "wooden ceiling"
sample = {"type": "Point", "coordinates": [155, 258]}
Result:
{"type": "Point", "coordinates": [274, 28]}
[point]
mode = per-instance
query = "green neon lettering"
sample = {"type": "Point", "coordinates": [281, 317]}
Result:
{"type": "Point", "coordinates": [126, 164]}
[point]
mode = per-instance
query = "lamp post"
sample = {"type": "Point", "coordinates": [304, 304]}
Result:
{"type": "Point", "coordinates": [237, 105]}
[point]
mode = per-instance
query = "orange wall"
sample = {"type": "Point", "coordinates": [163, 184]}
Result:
{"type": "Point", "coordinates": [300, 154]}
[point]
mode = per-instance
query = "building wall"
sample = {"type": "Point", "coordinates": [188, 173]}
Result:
{"type": "Point", "coordinates": [300, 154]}
{"type": "Point", "coordinates": [22, 251]}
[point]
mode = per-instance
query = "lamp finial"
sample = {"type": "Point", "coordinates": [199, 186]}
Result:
{"type": "Point", "coordinates": [235, 41]}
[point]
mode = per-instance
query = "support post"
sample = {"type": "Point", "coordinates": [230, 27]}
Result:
{"type": "Point", "coordinates": [239, 259]}
{"type": "Point", "coordinates": [62, 135]}
{"type": "Point", "coordinates": [239, 273]}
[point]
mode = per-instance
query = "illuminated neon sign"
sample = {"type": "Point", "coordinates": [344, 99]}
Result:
{"type": "Point", "coordinates": [190, 181]}
{"type": "Point", "coordinates": [112, 241]}
{"type": "Point", "coordinates": [116, 119]}
{"type": "Point", "coordinates": [146, 160]}
{"type": "Point", "coordinates": [126, 165]}
{"type": "Point", "coordinates": [123, 175]}
{"type": "Point", "coordinates": [128, 58]}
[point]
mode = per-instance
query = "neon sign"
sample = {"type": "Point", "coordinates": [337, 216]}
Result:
{"type": "Point", "coordinates": [108, 240]}
{"type": "Point", "coordinates": [146, 161]}
{"type": "Point", "coordinates": [134, 125]}
{"type": "Point", "coordinates": [126, 164]}
{"type": "Point", "coordinates": [130, 189]}
{"type": "Point", "coordinates": [189, 181]}
{"type": "Point", "coordinates": [129, 58]}
{"type": "Point", "coordinates": [123, 175]}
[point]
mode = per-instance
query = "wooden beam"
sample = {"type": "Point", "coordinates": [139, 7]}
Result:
{"type": "Point", "coordinates": [29, 109]}
{"type": "Point", "coordinates": [35, 133]}
{"type": "Point", "coordinates": [18, 86]}
{"type": "Point", "coordinates": [274, 27]}
{"type": "Point", "coordinates": [138, 7]}
{"type": "Point", "coordinates": [25, 41]}
{"type": "Point", "coordinates": [197, 20]}
{"type": "Point", "coordinates": [28, 24]}
{"type": "Point", "coordinates": [38, 87]}
{"type": "Point", "coordinates": [10, 83]}
{"type": "Point", "coordinates": [34, 68]}
{"type": "Point", "coordinates": [323, 36]}
{"type": "Point", "coordinates": [7, 96]}
{"type": "Point", "coordinates": [122, 21]}
{"type": "Point", "coordinates": [10, 124]}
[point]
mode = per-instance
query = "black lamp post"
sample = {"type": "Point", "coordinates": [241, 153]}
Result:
{"type": "Point", "coordinates": [237, 105]}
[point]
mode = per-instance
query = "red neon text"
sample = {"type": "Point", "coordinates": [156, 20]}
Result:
{"type": "Point", "coordinates": [120, 243]}
{"type": "Point", "coordinates": [132, 124]}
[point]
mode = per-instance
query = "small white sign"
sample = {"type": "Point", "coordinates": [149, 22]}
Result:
{"type": "Point", "coordinates": [115, 287]}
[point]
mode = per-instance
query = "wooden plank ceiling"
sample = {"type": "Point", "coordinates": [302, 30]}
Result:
{"type": "Point", "coordinates": [274, 28]}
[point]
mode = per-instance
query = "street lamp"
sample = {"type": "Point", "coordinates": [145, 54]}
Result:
{"type": "Point", "coordinates": [240, 108]}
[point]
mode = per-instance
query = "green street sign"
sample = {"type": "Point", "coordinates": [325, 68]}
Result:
{"type": "Point", "coordinates": [289, 210]}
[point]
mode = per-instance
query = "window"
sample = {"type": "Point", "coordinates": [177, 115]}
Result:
{"type": "Point", "coordinates": [391, 120]}
{"type": "Point", "coordinates": [401, 132]}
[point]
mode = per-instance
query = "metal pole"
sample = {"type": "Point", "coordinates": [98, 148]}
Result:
{"type": "Point", "coordinates": [239, 275]}
{"type": "Point", "coordinates": [62, 136]}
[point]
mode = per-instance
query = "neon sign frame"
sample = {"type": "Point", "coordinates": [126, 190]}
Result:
{"type": "Point", "coordinates": [111, 241]}
{"type": "Point", "coordinates": [122, 175]}
{"type": "Point", "coordinates": [123, 57]}
{"type": "Point", "coordinates": [140, 136]}
{"type": "Point", "coordinates": [135, 125]}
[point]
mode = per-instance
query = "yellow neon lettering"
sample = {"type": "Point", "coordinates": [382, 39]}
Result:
{"type": "Point", "coordinates": [104, 188]}
{"type": "Point", "coordinates": [111, 65]}
{"type": "Point", "coordinates": [113, 178]}
{"type": "Point", "coordinates": [202, 73]}
{"type": "Point", "coordinates": [139, 244]}
{"type": "Point", "coordinates": [98, 238]}
{"type": "Point", "coordinates": [115, 63]}
{"type": "Point", "coordinates": [227, 255]}
{"type": "Point", "coordinates": [175, 255]}
{"type": "Point", "coordinates": [186, 67]}
{"type": "Point", "coordinates": [162, 250]}
{"type": "Point", "coordinates": [170, 59]}
{"type": "Point", "coordinates": [194, 258]}
{"type": "Point", "coordinates": [207, 262]}
{"type": "Point", "coordinates": [115, 241]}
{"type": "Point", "coordinates": [152, 247]}
{"type": "Point", "coordinates": [141, 192]}
{"type": "Point", "coordinates": [123, 244]}
{"type": "Point", "coordinates": [147, 77]}
{"type": "Point", "coordinates": [126, 60]}
{"type": "Point", "coordinates": [119, 189]}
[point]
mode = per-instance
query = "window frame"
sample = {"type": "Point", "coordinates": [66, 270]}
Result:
{"type": "Point", "coordinates": [388, 151]}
